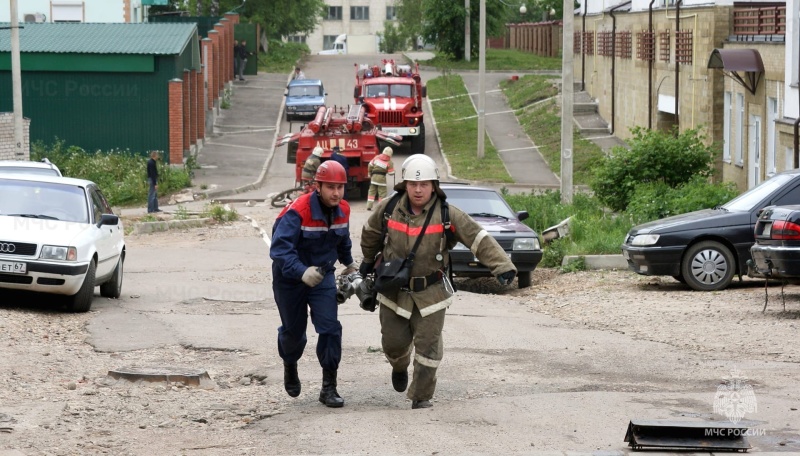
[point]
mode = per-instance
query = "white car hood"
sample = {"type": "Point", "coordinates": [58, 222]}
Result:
{"type": "Point", "coordinates": [41, 231]}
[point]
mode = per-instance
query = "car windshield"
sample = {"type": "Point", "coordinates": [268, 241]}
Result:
{"type": "Point", "coordinates": [53, 201]}
{"type": "Point", "coordinates": [386, 90]}
{"type": "Point", "coordinates": [305, 91]}
{"type": "Point", "coordinates": [28, 170]}
{"type": "Point", "coordinates": [748, 200]}
{"type": "Point", "coordinates": [479, 203]}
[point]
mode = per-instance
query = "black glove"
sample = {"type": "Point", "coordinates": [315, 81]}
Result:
{"type": "Point", "coordinates": [366, 268]}
{"type": "Point", "coordinates": [506, 278]}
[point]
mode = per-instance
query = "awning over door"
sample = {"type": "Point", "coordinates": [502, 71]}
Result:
{"type": "Point", "coordinates": [743, 65]}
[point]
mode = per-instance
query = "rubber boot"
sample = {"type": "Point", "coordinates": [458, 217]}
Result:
{"type": "Point", "coordinates": [328, 394]}
{"type": "Point", "coordinates": [291, 382]}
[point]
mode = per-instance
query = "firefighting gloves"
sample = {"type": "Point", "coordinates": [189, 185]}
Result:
{"type": "Point", "coordinates": [312, 277]}
{"type": "Point", "coordinates": [366, 268]}
{"type": "Point", "coordinates": [351, 268]}
{"type": "Point", "coordinates": [506, 278]}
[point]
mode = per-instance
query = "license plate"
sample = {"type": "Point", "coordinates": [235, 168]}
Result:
{"type": "Point", "coordinates": [12, 267]}
{"type": "Point", "coordinates": [767, 230]}
{"type": "Point", "coordinates": [391, 130]}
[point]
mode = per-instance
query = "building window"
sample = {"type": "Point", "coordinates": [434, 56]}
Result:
{"type": "Point", "coordinates": [726, 129]}
{"type": "Point", "coordinates": [67, 11]}
{"type": "Point", "coordinates": [334, 13]}
{"type": "Point", "coordinates": [740, 127]}
{"type": "Point", "coordinates": [772, 114]}
{"type": "Point", "coordinates": [359, 13]}
{"type": "Point", "coordinates": [296, 39]}
{"type": "Point", "coordinates": [391, 13]}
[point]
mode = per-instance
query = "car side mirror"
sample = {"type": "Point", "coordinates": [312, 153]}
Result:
{"type": "Point", "coordinates": [522, 215]}
{"type": "Point", "coordinates": [108, 219]}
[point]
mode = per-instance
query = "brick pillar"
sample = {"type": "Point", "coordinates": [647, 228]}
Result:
{"type": "Point", "coordinates": [187, 111]}
{"type": "Point", "coordinates": [227, 48]}
{"type": "Point", "coordinates": [222, 65]}
{"type": "Point", "coordinates": [193, 89]}
{"type": "Point", "coordinates": [233, 19]}
{"type": "Point", "coordinates": [201, 108]}
{"type": "Point", "coordinates": [213, 64]}
{"type": "Point", "coordinates": [175, 121]}
{"type": "Point", "coordinates": [208, 68]}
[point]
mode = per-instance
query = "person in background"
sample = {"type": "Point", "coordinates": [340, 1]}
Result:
{"type": "Point", "coordinates": [377, 169]}
{"type": "Point", "coordinates": [336, 154]}
{"type": "Point", "coordinates": [298, 74]}
{"type": "Point", "coordinates": [308, 237]}
{"type": "Point", "coordinates": [412, 318]}
{"type": "Point", "coordinates": [243, 54]}
{"type": "Point", "coordinates": [310, 168]}
{"type": "Point", "coordinates": [152, 181]}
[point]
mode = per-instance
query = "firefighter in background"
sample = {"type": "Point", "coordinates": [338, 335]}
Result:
{"type": "Point", "coordinates": [412, 318]}
{"type": "Point", "coordinates": [310, 169]}
{"type": "Point", "coordinates": [378, 168]}
{"type": "Point", "coordinates": [308, 237]}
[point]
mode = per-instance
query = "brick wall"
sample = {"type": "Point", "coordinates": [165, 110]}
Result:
{"type": "Point", "coordinates": [200, 111]}
{"type": "Point", "coordinates": [176, 121]}
{"type": "Point", "coordinates": [208, 46]}
{"type": "Point", "coordinates": [8, 150]}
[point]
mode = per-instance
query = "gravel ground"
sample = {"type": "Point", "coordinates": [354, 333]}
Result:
{"type": "Point", "coordinates": [56, 382]}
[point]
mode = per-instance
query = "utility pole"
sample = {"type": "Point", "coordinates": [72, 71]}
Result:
{"type": "Point", "coordinates": [482, 81]}
{"type": "Point", "coordinates": [16, 82]}
{"type": "Point", "coordinates": [466, 31]}
{"type": "Point", "coordinates": [566, 103]}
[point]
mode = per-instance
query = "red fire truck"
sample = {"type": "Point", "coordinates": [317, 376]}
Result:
{"type": "Point", "coordinates": [392, 95]}
{"type": "Point", "coordinates": [357, 137]}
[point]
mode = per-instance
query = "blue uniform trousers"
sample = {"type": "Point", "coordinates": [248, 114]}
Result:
{"type": "Point", "coordinates": [294, 299]}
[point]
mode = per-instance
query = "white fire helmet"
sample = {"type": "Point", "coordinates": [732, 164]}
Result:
{"type": "Point", "coordinates": [388, 151]}
{"type": "Point", "coordinates": [420, 167]}
{"type": "Point", "coordinates": [318, 151]}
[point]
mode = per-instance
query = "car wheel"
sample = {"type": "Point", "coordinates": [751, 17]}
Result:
{"type": "Point", "coordinates": [524, 279]}
{"type": "Point", "coordinates": [113, 288]}
{"type": "Point", "coordinates": [82, 300]}
{"type": "Point", "coordinates": [418, 142]}
{"type": "Point", "coordinates": [708, 266]}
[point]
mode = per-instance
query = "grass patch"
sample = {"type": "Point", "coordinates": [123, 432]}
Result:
{"type": "Point", "coordinates": [540, 117]}
{"type": "Point", "coordinates": [498, 60]}
{"type": "Point", "coordinates": [121, 175]}
{"type": "Point", "coordinates": [457, 123]}
{"type": "Point", "coordinates": [282, 57]}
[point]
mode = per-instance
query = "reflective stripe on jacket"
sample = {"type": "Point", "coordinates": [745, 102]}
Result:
{"type": "Point", "coordinates": [403, 227]}
{"type": "Point", "coordinates": [301, 237]}
{"type": "Point", "coordinates": [378, 168]}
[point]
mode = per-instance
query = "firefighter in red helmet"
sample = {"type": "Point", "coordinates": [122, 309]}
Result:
{"type": "Point", "coordinates": [308, 237]}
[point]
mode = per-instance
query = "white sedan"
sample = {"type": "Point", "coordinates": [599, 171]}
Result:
{"type": "Point", "coordinates": [59, 235]}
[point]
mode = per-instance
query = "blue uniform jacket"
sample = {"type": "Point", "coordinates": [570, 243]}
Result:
{"type": "Point", "coordinates": [301, 238]}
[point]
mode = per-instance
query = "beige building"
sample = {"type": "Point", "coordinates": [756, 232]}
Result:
{"type": "Point", "coordinates": [728, 69]}
{"type": "Point", "coordinates": [360, 20]}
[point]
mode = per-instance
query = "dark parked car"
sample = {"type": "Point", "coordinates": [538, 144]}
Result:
{"type": "Point", "coordinates": [706, 248]}
{"type": "Point", "coordinates": [776, 252]}
{"type": "Point", "coordinates": [488, 208]}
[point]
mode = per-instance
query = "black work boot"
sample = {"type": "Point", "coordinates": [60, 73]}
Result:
{"type": "Point", "coordinates": [328, 394]}
{"type": "Point", "coordinates": [291, 382]}
{"type": "Point", "coordinates": [400, 380]}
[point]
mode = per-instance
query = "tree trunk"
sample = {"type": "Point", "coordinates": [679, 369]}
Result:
{"type": "Point", "coordinates": [214, 8]}
{"type": "Point", "coordinates": [199, 8]}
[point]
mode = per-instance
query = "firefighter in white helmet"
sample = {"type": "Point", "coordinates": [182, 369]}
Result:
{"type": "Point", "coordinates": [379, 167]}
{"type": "Point", "coordinates": [310, 168]}
{"type": "Point", "coordinates": [412, 317]}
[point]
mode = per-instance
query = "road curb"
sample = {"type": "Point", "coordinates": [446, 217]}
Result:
{"type": "Point", "coordinates": [595, 262]}
{"type": "Point", "coordinates": [166, 225]}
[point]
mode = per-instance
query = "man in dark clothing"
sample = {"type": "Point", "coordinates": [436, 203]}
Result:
{"type": "Point", "coordinates": [152, 180]}
{"type": "Point", "coordinates": [336, 155]}
{"type": "Point", "coordinates": [235, 58]}
{"type": "Point", "coordinates": [243, 54]}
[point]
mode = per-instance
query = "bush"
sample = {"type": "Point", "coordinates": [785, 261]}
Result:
{"type": "Point", "coordinates": [654, 157]}
{"type": "Point", "coordinates": [652, 201]}
{"type": "Point", "coordinates": [121, 175]}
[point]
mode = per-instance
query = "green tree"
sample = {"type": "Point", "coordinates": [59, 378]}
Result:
{"type": "Point", "coordinates": [409, 18]}
{"type": "Point", "coordinates": [654, 157]}
{"type": "Point", "coordinates": [444, 24]}
{"type": "Point", "coordinates": [391, 40]}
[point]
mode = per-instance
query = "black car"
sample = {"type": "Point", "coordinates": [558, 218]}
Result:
{"type": "Point", "coordinates": [488, 208]}
{"type": "Point", "coordinates": [776, 252]}
{"type": "Point", "coordinates": [705, 249]}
